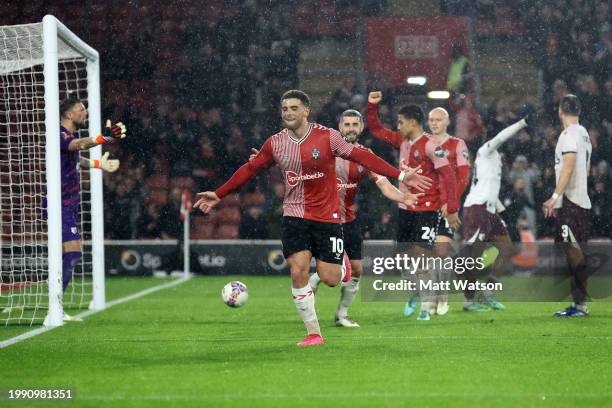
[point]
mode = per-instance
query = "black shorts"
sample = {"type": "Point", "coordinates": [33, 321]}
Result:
{"type": "Point", "coordinates": [422, 227]}
{"type": "Point", "coordinates": [323, 239]}
{"type": "Point", "coordinates": [352, 239]}
{"type": "Point", "coordinates": [573, 223]}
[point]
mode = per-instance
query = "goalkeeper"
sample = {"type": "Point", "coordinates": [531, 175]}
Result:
{"type": "Point", "coordinates": [73, 116]}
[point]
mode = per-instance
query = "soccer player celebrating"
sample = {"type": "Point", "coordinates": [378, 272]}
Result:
{"type": "Point", "coordinates": [350, 175]}
{"type": "Point", "coordinates": [456, 151]}
{"type": "Point", "coordinates": [73, 116]}
{"type": "Point", "coordinates": [305, 153]}
{"type": "Point", "coordinates": [570, 203]}
{"type": "Point", "coordinates": [424, 224]}
{"type": "Point", "coordinates": [481, 220]}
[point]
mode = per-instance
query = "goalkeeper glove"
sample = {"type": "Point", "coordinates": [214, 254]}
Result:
{"type": "Point", "coordinates": [105, 164]}
{"type": "Point", "coordinates": [111, 133]}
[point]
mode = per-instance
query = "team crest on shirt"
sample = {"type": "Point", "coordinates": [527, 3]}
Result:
{"type": "Point", "coordinates": [466, 154]}
{"type": "Point", "coordinates": [440, 152]}
{"type": "Point", "coordinates": [315, 153]}
{"type": "Point", "coordinates": [416, 154]}
{"type": "Point", "coordinates": [360, 168]}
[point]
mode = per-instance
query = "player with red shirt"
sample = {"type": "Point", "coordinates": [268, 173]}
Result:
{"type": "Point", "coordinates": [456, 151]}
{"type": "Point", "coordinates": [305, 153]}
{"type": "Point", "coordinates": [424, 224]}
{"type": "Point", "coordinates": [350, 176]}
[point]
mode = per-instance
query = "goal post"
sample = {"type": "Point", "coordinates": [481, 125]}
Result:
{"type": "Point", "coordinates": [40, 65]}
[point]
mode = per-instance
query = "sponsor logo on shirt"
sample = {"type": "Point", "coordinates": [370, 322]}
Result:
{"type": "Point", "coordinates": [293, 178]}
{"type": "Point", "coordinates": [440, 152]}
{"type": "Point", "coordinates": [342, 184]}
{"type": "Point", "coordinates": [466, 154]}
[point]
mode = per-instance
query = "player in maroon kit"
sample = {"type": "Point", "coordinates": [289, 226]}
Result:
{"type": "Point", "coordinates": [305, 153]}
{"type": "Point", "coordinates": [424, 224]}
{"type": "Point", "coordinates": [350, 176]}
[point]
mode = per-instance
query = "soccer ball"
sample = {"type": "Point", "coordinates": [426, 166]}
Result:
{"type": "Point", "coordinates": [235, 294]}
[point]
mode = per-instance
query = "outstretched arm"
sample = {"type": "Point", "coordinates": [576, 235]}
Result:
{"type": "Point", "coordinates": [393, 193]}
{"type": "Point", "coordinates": [110, 134]}
{"type": "Point", "coordinates": [106, 164]}
{"type": "Point", "coordinates": [262, 160]}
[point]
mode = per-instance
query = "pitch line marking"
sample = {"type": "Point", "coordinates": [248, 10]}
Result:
{"type": "Point", "coordinates": [87, 313]}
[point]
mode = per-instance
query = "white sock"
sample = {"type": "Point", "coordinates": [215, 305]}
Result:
{"type": "Point", "coordinates": [305, 303]}
{"type": "Point", "coordinates": [444, 275]}
{"type": "Point", "coordinates": [314, 281]}
{"type": "Point", "coordinates": [582, 306]}
{"type": "Point", "coordinates": [348, 291]}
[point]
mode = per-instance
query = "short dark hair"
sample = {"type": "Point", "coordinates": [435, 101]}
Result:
{"type": "Point", "coordinates": [352, 113]}
{"type": "Point", "coordinates": [570, 105]}
{"type": "Point", "coordinates": [296, 94]}
{"type": "Point", "coordinates": [68, 104]}
{"type": "Point", "coordinates": [412, 111]}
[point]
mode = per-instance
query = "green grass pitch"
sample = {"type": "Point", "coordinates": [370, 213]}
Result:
{"type": "Point", "coordinates": [182, 347]}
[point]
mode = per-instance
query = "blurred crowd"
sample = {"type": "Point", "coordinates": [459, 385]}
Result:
{"type": "Point", "coordinates": [199, 87]}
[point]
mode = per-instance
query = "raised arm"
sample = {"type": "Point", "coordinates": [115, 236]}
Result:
{"type": "Point", "coordinates": [394, 138]}
{"type": "Point", "coordinates": [502, 137]}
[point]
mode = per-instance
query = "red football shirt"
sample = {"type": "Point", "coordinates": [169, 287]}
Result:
{"type": "Point", "coordinates": [350, 175]}
{"type": "Point", "coordinates": [457, 153]}
{"type": "Point", "coordinates": [418, 152]}
{"type": "Point", "coordinates": [309, 168]}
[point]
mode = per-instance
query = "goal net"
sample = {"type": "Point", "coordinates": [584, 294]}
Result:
{"type": "Point", "coordinates": [40, 65]}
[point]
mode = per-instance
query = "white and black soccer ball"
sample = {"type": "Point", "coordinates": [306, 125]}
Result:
{"type": "Point", "coordinates": [235, 294]}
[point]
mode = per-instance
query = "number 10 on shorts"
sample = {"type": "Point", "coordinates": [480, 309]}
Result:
{"type": "Point", "coordinates": [337, 245]}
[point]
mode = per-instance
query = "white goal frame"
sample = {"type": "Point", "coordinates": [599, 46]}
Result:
{"type": "Point", "coordinates": [53, 30]}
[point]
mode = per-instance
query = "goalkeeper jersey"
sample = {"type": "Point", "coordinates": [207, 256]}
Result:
{"type": "Point", "coordinates": [71, 183]}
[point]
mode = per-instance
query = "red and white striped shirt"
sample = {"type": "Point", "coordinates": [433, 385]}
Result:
{"type": "Point", "coordinates": [309, 168]}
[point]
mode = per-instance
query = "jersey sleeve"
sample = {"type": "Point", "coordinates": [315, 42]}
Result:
{"type": "Point", "coordinates": [568, 143]}
{"type": "Point", "coordinates": [374, 176]}
{"type": "Point", "coordinates": [462, 154]}
{"type": "Point", "coordinates": [463, 167]}
{"type": "Point", "coordinates": [371, 175]}
{"type": "Point", "coordinates": [339, 146]}
{"type": "Point", "coordinates": [394, 138]}
{"type": "Point", "coordinates": [247, 171]}
{"type": "Point", "coordinates": [373, 163]}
